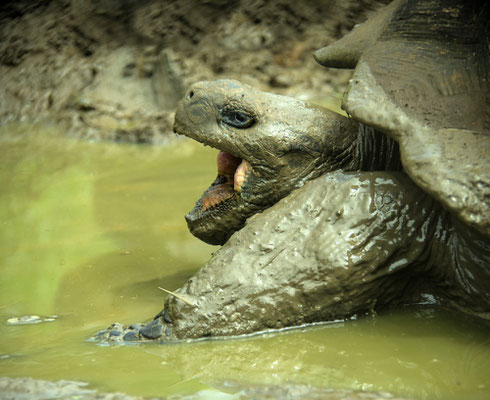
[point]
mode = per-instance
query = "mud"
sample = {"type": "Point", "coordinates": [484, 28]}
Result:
{"type": "Point", "coordinates": [116, 70]}
{"type": "Point", "coordinates": [36, 389]}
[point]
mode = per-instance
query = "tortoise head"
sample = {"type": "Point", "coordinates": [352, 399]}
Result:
{"type": "Point", "coordinates": [268, 146]}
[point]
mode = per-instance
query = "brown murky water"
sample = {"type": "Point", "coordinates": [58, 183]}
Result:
{"type": "Point", "coordinates": [89, 231]}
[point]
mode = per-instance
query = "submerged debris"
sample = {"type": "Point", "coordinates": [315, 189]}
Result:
{"type": "Point", "coordinates": [30, 319]}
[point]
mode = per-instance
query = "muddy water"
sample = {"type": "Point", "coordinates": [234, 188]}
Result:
{"type": "Point", "coordinates": [89, 231]}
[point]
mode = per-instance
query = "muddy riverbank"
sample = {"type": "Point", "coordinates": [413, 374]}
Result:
{"type": "Point", "coordinates": [110, 69]}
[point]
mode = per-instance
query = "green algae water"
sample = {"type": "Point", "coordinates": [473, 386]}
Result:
{"type": "Point", "coordinates": [89, 231]}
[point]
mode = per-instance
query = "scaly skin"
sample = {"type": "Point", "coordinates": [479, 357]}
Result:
{"type": "Point", "coordinates": [324, 243]}
{"type": "Point", "coordinates": [343, 244]}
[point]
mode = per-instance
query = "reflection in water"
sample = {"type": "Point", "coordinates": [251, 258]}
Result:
{"type": "Point", "coordinates": [89, 231]}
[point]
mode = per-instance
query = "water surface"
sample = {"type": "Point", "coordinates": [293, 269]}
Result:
{"type": "Point", "coordinates": [88, 231]}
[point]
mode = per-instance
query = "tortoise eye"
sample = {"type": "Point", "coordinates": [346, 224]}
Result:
{"type": "Point", "coordinates": [237, 119]}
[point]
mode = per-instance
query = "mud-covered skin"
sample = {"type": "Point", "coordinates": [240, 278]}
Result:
{"type": "Point", "coordinates": [344, 244]}
{"type": "Point", "coordinates": [329, 250]}
{"type": "Point", "coordinates": [285, 141]}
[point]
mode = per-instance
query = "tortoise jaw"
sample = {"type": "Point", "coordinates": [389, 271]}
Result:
{"type": "Point", "coordinates": [221, 210]}
{"type": "Point", "coordinates": [215, 224]}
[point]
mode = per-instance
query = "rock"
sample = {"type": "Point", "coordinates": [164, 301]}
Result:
{"type": "Point", "coordinates": [153, 329]}
{"type": "Point", "coordinates": [131, 336]}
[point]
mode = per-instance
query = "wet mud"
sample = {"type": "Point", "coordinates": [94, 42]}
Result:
{"type": "Point", "coordinates": [35, 389]}
{"type": "Point", "coordinates": [116, 70]}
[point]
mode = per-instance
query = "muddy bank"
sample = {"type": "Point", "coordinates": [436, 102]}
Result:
{"type": "Point", "coordinates": [115, 70]}
{"type": "Point", "coordinates": [36, 389]}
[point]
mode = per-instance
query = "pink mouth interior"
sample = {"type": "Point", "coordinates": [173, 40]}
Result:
{"type": "Point", "coordinates": [227, 165]}
{"type": "Point", "coordinates": [223, 189]}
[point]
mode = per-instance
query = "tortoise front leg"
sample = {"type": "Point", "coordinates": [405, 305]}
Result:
{"type": "Point", "coordinates": [341, 245]}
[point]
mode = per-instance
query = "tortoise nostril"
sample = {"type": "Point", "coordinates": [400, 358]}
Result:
{"type": "Point", "coordinates": [191, 94]}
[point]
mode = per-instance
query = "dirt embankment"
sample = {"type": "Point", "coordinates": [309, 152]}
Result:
{"type": "Point", "coordinates": [116, 69]}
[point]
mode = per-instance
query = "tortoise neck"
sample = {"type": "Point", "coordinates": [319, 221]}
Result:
{"type": "Point", "coordinates": [460, 256]}
{"type": "Point", "coordinates": [375, 151]}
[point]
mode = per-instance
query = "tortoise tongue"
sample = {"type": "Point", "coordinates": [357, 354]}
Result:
{"type": "Point", "coordinates": [222, 187]}
{"type": "Point", "coordinates": [227, 165]}
{"type": "Point", "coordinates": [234, 169]}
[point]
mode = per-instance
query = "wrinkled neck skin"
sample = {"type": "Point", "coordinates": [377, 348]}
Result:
{"type": "Point", "coordinates": [270, 145]}
{"type": "Point", "coordinates": [374, 151]}
{"type": "Point", "coordinates": [458, 266]}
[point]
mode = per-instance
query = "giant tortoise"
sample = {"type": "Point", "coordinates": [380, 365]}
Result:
{"type": "Point", "coordinates": [325, 217]}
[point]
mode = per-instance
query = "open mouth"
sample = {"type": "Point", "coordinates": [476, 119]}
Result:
{"type": "Point", "coordinates": [220, 210]}
{"type": "Point", "coordinates": [232, 172]}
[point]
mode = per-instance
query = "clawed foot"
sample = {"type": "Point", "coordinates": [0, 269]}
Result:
{"type": "Point", "coordinates": [158, 329]}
